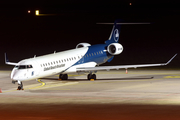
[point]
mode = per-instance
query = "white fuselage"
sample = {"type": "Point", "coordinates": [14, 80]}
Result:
{"type": "Point", "coordinates": [50, 64]}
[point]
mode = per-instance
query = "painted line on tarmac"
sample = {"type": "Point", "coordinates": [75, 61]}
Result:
{"type": "Point", "coordinates": [8, 91]}
{"type": "Point", "coordinates": [57, 85]}
{"type": "Point", "coordinates": [39, 80]}
{"type": "Point", "coordinates": [42, 84]}
{"type": "Point", "coordinates": [172, 77]}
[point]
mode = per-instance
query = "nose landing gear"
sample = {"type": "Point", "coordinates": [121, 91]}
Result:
{"type": "Point", "coordinates": [20, 85]}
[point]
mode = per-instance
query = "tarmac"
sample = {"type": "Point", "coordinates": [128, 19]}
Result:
{"type": "Point", "coordinates": [139, 94]}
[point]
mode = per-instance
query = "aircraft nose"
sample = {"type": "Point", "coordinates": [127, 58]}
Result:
{"type": "Point", "coordinates": [14, 75]}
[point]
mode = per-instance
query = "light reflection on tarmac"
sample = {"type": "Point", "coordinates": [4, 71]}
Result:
{"type": "Point", "coordinates": [140, 94]}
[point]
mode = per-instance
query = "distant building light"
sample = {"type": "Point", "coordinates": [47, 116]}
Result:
{"type": "Point", "coordinates": [29, 11]}
{"type": "Point", "coordinates": [37, 12]}
{"type": "Point", "coordinates": [130, 3]}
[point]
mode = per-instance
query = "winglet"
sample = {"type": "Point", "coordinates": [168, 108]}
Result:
{"type": "Point", "coordinates": [171, 59]}
{"type": "Point", "coordinates": [7, 61]}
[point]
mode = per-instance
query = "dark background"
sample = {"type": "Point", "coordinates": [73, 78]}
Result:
{"type": "Point", "coordinates": [64, 24]}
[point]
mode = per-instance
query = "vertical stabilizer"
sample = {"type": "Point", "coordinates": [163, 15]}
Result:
{"type": "Point", "coordinates": [115, 33]}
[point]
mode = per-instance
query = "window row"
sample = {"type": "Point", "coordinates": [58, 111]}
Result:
{"type": "Point", "coordinates": [59, 61]}
{"type": "Point", "coordinates": [70, 59]}
{"type": "Point", "coordinates": [93, 54]}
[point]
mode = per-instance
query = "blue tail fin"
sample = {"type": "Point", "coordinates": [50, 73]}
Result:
{"type": "Point", "coordinates": [115, 33]}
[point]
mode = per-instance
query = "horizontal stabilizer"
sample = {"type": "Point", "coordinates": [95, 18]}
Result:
{"type": "Point", "coordinates": [123, 23]}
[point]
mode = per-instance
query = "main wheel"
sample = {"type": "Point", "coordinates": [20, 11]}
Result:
{"type": "Point", "coordinates": [89, 76]}
{"type": "Point", "coordinates": [65, 77]}
{"type": "Point", "coordinates": [93, 76]}
{"type": "Point", "coordinates": [60, 76]}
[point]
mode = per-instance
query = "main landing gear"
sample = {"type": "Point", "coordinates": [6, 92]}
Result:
{"type": "Point", "coordinates": [63, 76]}
{"type": "Point", "coordinates": [91, 76]}
{"type": "Point", "coordinates": [20, 85]}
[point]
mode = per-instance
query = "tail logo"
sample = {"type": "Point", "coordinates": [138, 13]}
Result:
{"type": "Point", "coordinates": [116, 35]}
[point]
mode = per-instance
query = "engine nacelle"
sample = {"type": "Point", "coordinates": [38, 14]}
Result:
{"type": "Point", "coordinates": [80, 45]}
{"type": "Point", "coordinates": [115, 48]}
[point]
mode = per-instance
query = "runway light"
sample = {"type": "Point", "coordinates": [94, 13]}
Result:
{"type": "Point", "coordinates": [37, 12]}
{"type": "Point", "coordinates": [130, 3]}
{"type": "Point", "coordinates": [29, 11]}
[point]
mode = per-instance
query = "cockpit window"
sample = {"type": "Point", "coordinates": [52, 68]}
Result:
{"type": "Point", "coordinates": [23, 66]}
{"type": "Point", "coordinates": [29, 66]}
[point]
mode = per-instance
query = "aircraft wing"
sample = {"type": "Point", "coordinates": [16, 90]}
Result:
{"type": "Point", "coordinates": [97, 68]}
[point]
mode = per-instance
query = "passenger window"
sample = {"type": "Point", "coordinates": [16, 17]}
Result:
{"type": "Point", "coordinates": [48, 64]}
{"type": "Point", "coordinates": [94, 53]}
{"type": "Point", "coordinates": [62, 60]}
{"type": "Point", "coordinates": [51, 63]}
{"type": "Point", "coordinates": [59, 61]}
{"type": "Point", "coordinates": [74, 57]}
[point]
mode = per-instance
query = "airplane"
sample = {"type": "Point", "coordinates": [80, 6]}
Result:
{"type": "Point", "coordinates": [84, 58]}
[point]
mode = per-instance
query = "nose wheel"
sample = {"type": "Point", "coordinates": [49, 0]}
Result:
{"type": "Point", "coordinates": [20, 85]}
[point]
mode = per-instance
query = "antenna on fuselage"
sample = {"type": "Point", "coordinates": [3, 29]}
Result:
{"type": "Point", "coordinates": [34, 56]}
{"type": "Point", "coordinates": [54, 52]}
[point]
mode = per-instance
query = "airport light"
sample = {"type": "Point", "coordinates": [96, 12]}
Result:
{"type": "Point", "coordinates": [130, 3]}
{"type": "Point", "coordinates": [37, 12]}
{"type": "Point", "coordinates": [29, 11]}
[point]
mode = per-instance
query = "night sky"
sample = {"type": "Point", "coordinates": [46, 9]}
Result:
{"type": "Point", "coordinates": [64, 24]}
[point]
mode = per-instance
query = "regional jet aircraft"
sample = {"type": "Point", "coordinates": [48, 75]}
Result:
{"type": "Point", "coordinates": [84, 58]}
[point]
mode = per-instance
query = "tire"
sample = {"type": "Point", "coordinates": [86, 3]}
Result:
{"type": "Point", "coordinates": [60, 76]}
{"type": "Point", "coordinates": [94, 76]}
{"type": "Point", "coordinates": [65, 77]}
{"type": "Point", "coordinates": [88, 76]}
